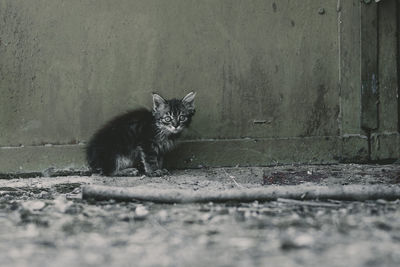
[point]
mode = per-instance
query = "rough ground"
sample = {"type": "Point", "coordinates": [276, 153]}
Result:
{"type": "Point", "coordinates": [44, 222]}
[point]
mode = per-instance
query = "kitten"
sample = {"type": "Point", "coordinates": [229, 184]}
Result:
{"type": "Point", "coordinates": [137, 141]}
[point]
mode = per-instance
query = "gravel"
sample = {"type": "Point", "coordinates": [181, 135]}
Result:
{"type": "Point", "coordinates": [45, 222]}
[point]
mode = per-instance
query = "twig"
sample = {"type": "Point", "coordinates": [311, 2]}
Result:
{"type": "Point", "coordinates": [17, 189]}
{"type": "Point", "coordinates": [233, 179]}
{"type": "Point", "coordinates": [308, 203]}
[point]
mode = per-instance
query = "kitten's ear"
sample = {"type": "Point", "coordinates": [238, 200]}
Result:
{"type": "Point", "coordinates": [158, 102]}
{"type": "Point", "coordinates": [188, 100]}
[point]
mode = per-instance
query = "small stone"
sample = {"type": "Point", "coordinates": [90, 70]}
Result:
{"type": "Point", "coordinates": [44, 194]}
{"type": "Point", "coordinates": [321, 11]}
{"type": "Point", "coordinates": [381, 201]}
{"type": "Point", "coordinates": [299, 242]}
{"type": "Point", "coordinates": [141, 212]}
{"type": "Point", "coordinates": [205, 217]}
{"type": "Point", "coordinates": [34, 205]}
{"type": "Point", "coordinates": [304, 240]}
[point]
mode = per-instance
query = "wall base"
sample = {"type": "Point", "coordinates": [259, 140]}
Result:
{"type": "Point", "coordinates": [215, 153]}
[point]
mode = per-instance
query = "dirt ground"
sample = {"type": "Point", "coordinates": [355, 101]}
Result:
{"type": "Point", "coordinates": [45, 222]}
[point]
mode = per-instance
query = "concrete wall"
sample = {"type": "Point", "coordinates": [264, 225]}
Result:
{"type": "Point", "coordinates": [277, 81]}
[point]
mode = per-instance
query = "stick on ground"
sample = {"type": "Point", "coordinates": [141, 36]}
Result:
{"type": "Point", "coordinates": [299, 192]}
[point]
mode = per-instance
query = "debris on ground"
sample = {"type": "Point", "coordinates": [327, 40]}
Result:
{"type": "Point", "coordinates": [46, 222]}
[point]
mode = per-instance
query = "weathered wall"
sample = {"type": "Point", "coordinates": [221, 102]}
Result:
{"type": "Point", "coordinates": [68, 66]}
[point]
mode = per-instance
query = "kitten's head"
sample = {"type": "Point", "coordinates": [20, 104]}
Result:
{"type": "Point", "coordinates": [172, 116]}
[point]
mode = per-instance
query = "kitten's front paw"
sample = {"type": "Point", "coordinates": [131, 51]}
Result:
{"type": "Point", "coordinates": [157, 173]}
{"type": "Point", "coordinates": [127, 172]}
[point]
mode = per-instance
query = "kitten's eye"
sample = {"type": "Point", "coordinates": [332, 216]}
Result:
{"type": "Point", "coordinates": [182, 118]}
{"type": "Point", "coordinates": [167, 119]}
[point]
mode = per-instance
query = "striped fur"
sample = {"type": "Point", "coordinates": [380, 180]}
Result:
{"type": "Point", "coordinates": [140, 138]}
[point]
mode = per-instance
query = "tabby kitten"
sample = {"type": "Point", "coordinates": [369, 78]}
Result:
{"type": "Point", "coordinates": [137, 141]}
